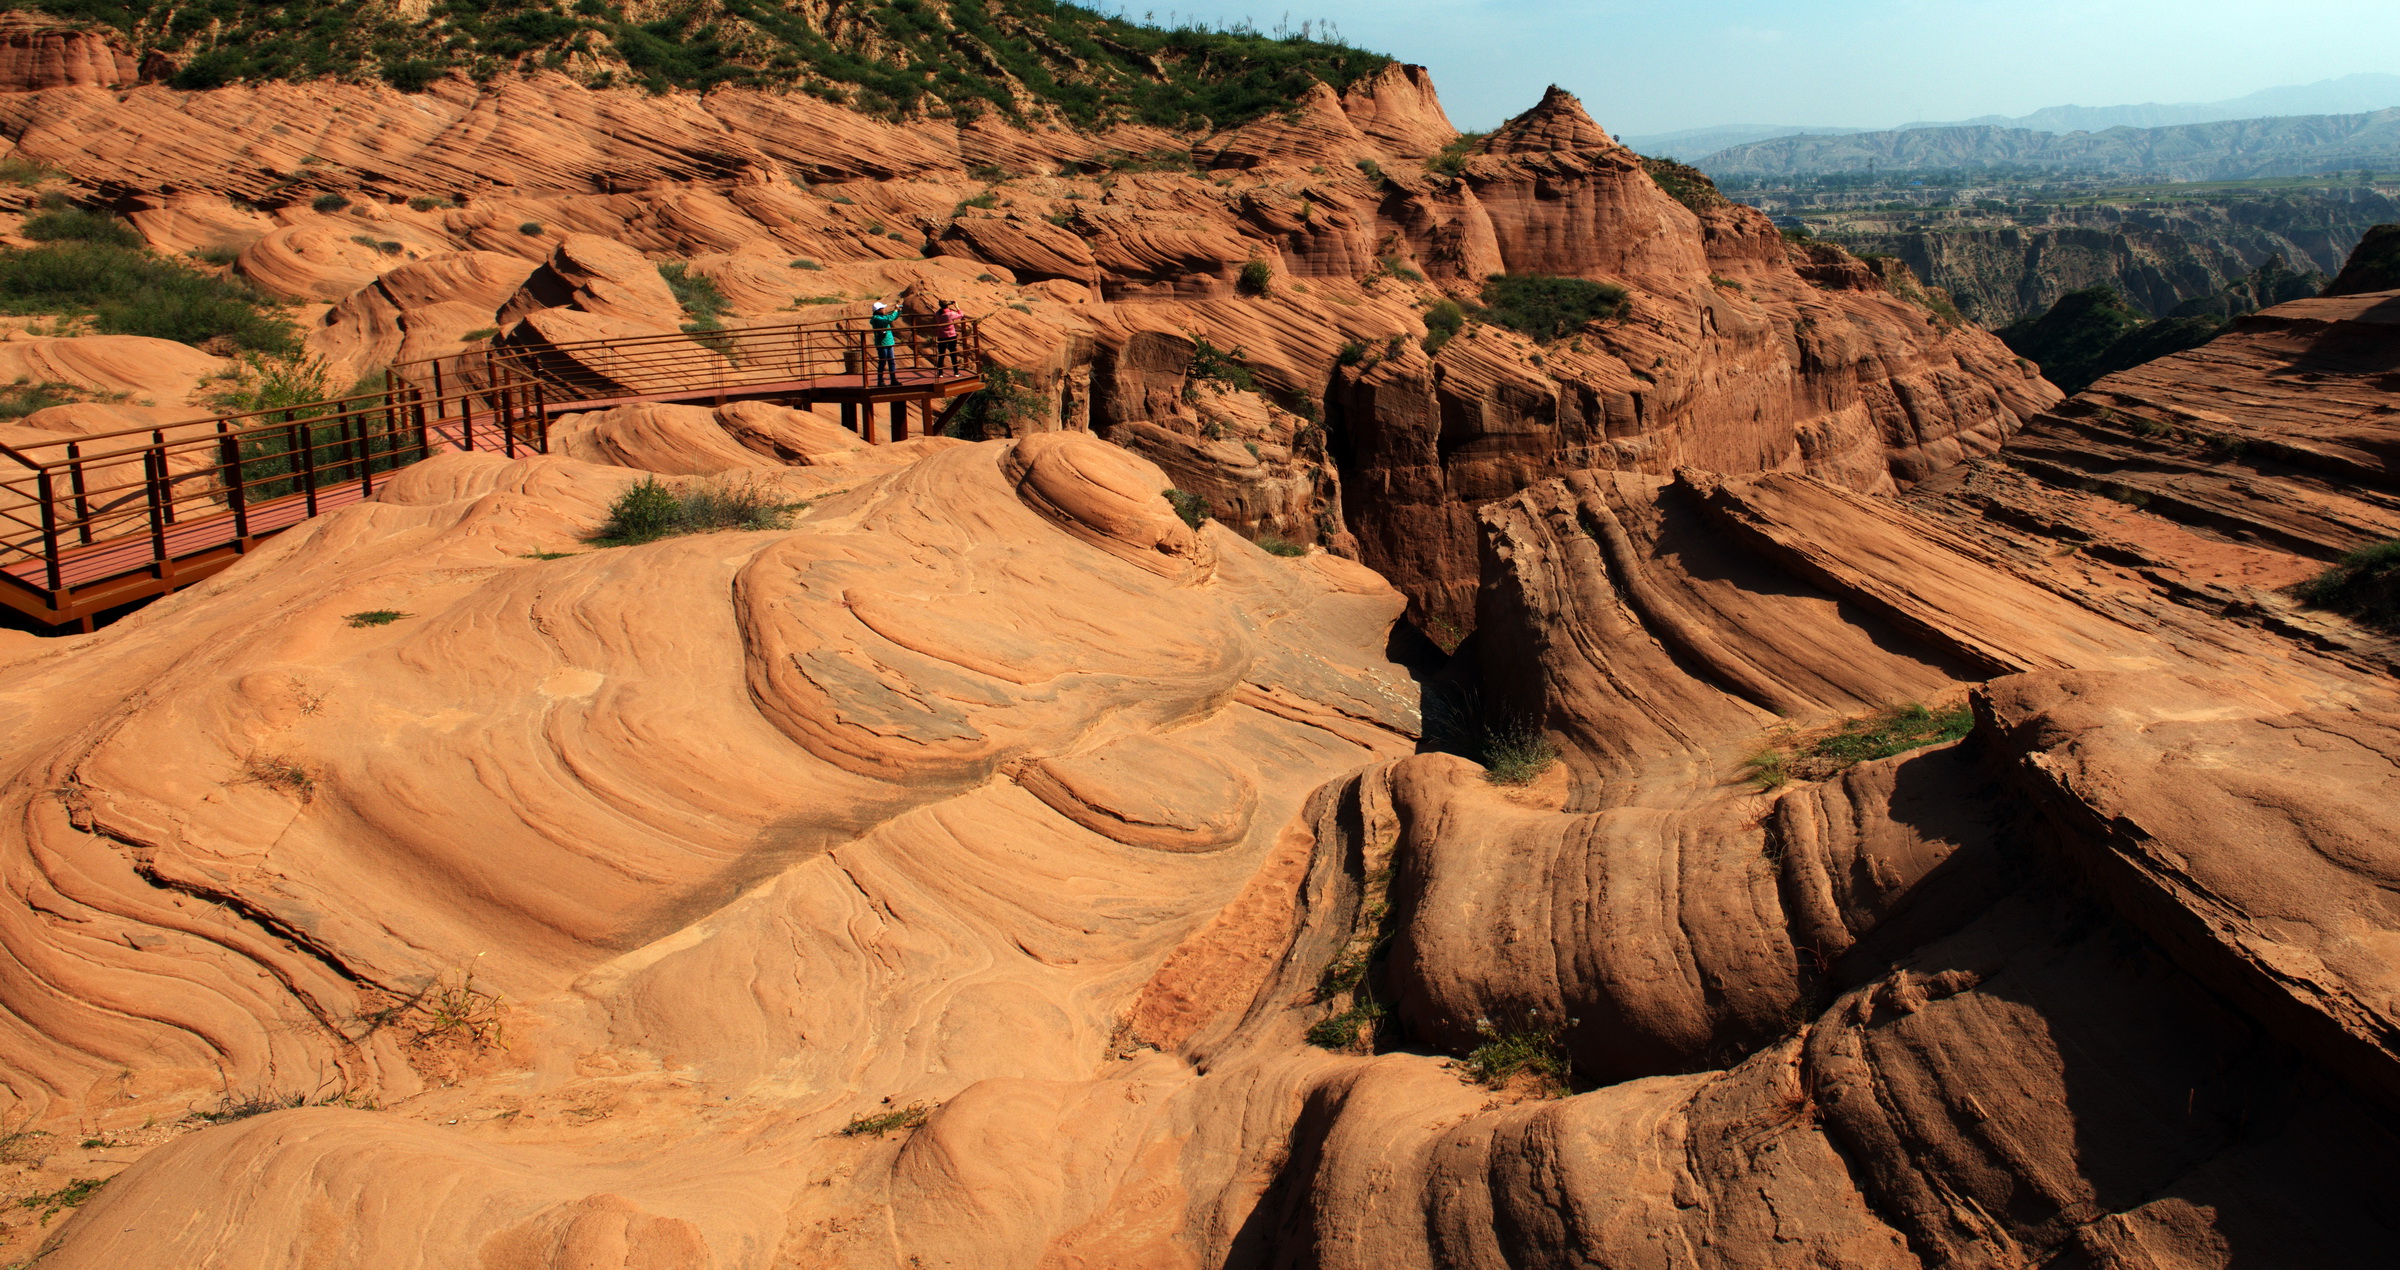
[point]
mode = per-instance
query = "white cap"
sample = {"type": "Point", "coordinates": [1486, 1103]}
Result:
{"type": "Point", "coordinates": [879, 306]}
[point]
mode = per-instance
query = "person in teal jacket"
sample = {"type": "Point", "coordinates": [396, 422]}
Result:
{"type": "Point", "coordinates": [883, 322]}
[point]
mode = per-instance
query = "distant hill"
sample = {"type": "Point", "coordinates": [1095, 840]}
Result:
{"type": "Point", "coordinates": [2301, 145]}
{"type": "Point", "coordinates": [1692, 143]}
{"type": "Point", "coordinates": [2349, 95]}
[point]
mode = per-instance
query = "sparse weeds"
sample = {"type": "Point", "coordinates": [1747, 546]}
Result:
{"type": "Point", "coordinates": [23, 397]}
{"type": "Point", "coordinates": [243, 1106]}
{"type": "Point", "coordinates": [374, 617]}
{"type": "Point", "coordinates": [1527, 1050]}
{"type": "Point", "coordinates": [451, 1009]}
{"type": "Point", "coordinates": [650, 511]}
{"type": "Point", "coordinates": [282, 775]}
{"type": "Point", "coordinates": [1275, 546]}
{"type": "Point", "coordinates": [1894, 731]}
{"type": "Point", "coordinates": [69, 1196]}
{"type": "Point", "coordinates": [1349, 978]}
{"type": "Point", "coordinates": [881, 1123]}
{"type": "Point", "coordinates": [2365, 584]}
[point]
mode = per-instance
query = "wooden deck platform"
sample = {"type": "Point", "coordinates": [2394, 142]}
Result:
{"type": "Point", "coordinates": [184, 537]}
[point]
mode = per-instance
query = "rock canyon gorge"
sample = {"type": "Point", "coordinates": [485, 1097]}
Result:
{"type": "Point", "coordinates": [1458, 700]}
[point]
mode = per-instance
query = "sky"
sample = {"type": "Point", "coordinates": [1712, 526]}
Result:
{"type": "Point", "coordinates": [1654, 67]}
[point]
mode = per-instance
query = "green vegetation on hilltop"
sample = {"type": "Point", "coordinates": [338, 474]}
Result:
{"type": "Point", "coordinates": [2096, 332]}
{"type": "Point", "coordinates": [888, 57]}
{"type": "Point", "coordinates": [1685, 184]}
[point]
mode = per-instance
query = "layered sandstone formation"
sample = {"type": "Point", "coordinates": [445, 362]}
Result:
{"type": "Point", "coordinates": [967, 873]}
{"type": "Point", "coordinates": [1733, 351]}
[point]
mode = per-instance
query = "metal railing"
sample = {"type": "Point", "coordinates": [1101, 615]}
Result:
{"type": "Point", "coordinates": [837, 356]}
{"type": "Point", "coordinates": [80, 515]}
{"type": "Point", "coordinates": [185, 489]}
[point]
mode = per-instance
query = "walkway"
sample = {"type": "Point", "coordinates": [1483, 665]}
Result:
{"type": "Point", "coordinates": [97, 522]}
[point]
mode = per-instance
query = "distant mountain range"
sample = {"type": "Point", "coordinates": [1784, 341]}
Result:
{"type": "Point", "coordinates": [2350, 94]}
{"type": "Point", "coordinates": [2241, 149]}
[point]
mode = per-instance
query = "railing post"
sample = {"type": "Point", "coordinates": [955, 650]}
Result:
{"type": "Point", "coordinates": [158, 442]}
{"type": "Point", "coordinates": [48, 496]}
{"type": "Point", "coordinates": [302, 438]}
{"type": "Point", "coordinates": [153, 465]}
{"type": "Point", "coordinates": [508, 422]}
{"type": "Point", "coordinates": [229, 451]}
{"type": "Point", "coordinates": [363, 447]}
{"type": "Point", "coordinates": [416, 405]}
{"type": "Point", "coordinates": [83, 503]}
{"type": "Point", "coordinates": [541, 416]}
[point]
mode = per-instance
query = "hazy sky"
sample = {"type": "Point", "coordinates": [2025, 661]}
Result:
{"type": "Point", "coordinates": [1658, 67]}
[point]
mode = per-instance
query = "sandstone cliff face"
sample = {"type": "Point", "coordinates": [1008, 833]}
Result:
{"type": "Point", "coordinates": [991, 791]}
{"type": "Point", "coordinates": [37, 52]}
{"type": "Point", "coordinates": [1726, 355]}
{"type": "Point", "coordinates": [967, 873]}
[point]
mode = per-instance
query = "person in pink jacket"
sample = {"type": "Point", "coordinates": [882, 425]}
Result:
{"type": "Point", "coordinates": [945, 332]}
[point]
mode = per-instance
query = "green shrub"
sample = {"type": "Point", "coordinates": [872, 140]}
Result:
{"type": "Point", "coordinates": [1882, 735]}
{"type": "Point", "coordinates": [1546, 307]}
{"type": "Point", "coordinates": [702, 302]}
{"type": "Point", "coordinates": [74, 224]}
{"type": "Point", "coordinates": [2365, 585]}
{"type": "Point", "coordinates": [1373, 171]}
{"type": "Point", "coordinates": [1191, 507]}
{"type": "Point", "coordinates": [531, 229]}
{"type": "Point", "coordinates": [1394, 267]}
{"type": "Point", "coordinates": [1443, 322]}
{"type": "Point", "coordinates": [985, 201]}
{"type": "Point", "coordinates": [807, 264]}
{"type": "Point", "coordinates": [1255, 277]}
{"type": "Point", "coordinates": [650, 511]}
{"type": "Point", "coordinates": [988, 172]}
{"type": "Point", "coordinates": [128, 292]}
{"type": "Point", "coordinates": [1009, 397]}
{"type": "Point", "coordinates": [1353, 352]}
{"type": "Point", "coordinates": [329, 202]}
{"type": "Point", "coordinates": [1452, 160]}
{"type": "Point", "coordinates": [1527, 1050]}
{"type": "Point", "coordinates": [1220, 366]}
{"type": "Point", "coordinates": [375, 617]}
{"type": "Point", "coordinates": [479, 333]}
{"type": "Point", "coordinates": [1516, 752]}
{"type": "Point", "coordinates": [413, 75]}
{"type": "Point", "coordinates": [428, 203]}
{"type": "Point", "coordinates": [1275, 546]}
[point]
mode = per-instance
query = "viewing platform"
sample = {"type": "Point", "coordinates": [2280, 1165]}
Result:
{"type": "Point", "coordinates": [93, 523]}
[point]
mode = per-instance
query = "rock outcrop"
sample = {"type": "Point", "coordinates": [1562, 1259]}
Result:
{"type": "Point", "coordinates": [988, 866]}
